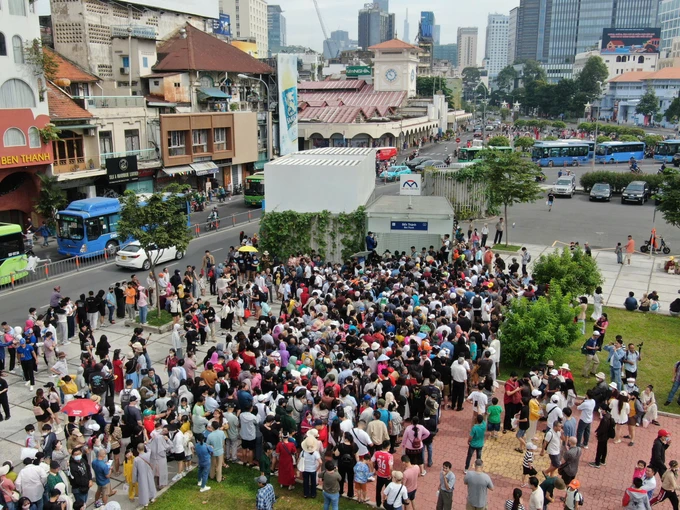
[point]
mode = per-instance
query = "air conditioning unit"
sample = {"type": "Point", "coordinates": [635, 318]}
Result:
{"type": "Point", "coordinates": [89, 132]}
{"type": "Point", "coordinates": [125, 70]}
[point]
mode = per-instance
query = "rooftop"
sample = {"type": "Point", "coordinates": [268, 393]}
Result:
{"type": "Point", "coordinates": [667, 73]}
{"type": "Point", "coordinates": [69, 70]}
{"type": "Point", "coordinates": [302, 161]}
{"type": "Point", "coordinates": [326, 156]}
{"type": "Point", "coordinates": [62, 107]}
{"type": "Point", "coordinates": [394, 44]}
{"type": "Point", "coordinates": [200, 51]}
{"type": "Point", "coordinates": [339, 151]}
{"type": "Point", "coordinates": [407, 206]}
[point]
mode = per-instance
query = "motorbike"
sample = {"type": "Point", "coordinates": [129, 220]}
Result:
{"type": "Point", "coordinates": [661, 246]}
{"type": "Point", "coordinates": [662, 169]}
{"type": "Point", "coordinates": [238, 189]}
{"type": "Point", "coordinates": [634, 168]}
{"type": "Point", "coordinates": [213, 224]}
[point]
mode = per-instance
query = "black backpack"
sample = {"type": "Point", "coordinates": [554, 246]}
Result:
{"type": "Point", "coordinates": [125, 399]}
{"type": "Point", "coordinates": [476, 302]}
{"type": "Point", "coordinates": [611, 432]}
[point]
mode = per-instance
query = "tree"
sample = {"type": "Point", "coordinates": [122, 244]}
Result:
{"type": "Point", "coordinates": [50, 199]}
{"type": "Point", "coordinates": [673, 112]}
{"type": "Point", "coordinates": [533, 72]}
{"type": "Point", "coordinates": [471, 77]}
{"type": "Point", "coordinates": [425, 85]}
{"type": "Point", "coordinates": [649, 104]}
{"type": "Point", "coordinates": [558, 124]}
{"type": "Point", "coordinates": [499, 141]}
{"type": "Point", "coordinates": [652, 140]}
{"type": "Point", "coordinates": [533, 330]}
{"type": "Point", "coordinates": [603, 138]}
{"type": "Point", "coordinates": [594, 71]}
{"type": "Point", "coordinates": [524, 142]}
{"type": "Point", "coordinates": [511, 179]}
{"type": "Point", "coordinates": [574, 272]}
{"type": "Point", "coordinates": [628, 138]}
{"type": "Point", "coordinates": [669, 192]}
{"type": "Point", "coordinates": [506, 78]}
{"type": "Point", "coordinates": [505, 113]}
{"type": "Point", "coordinates": [158, 225]}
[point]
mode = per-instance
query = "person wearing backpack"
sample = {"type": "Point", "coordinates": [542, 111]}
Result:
{"type": "Point", "coordinates": [345, 454]}
{"type": "Point", "coordinates": [605, 431]}
{"type": "Point", "coordinates": [526, 258]}
{"type": "Point", "coordinates": [412, 443]}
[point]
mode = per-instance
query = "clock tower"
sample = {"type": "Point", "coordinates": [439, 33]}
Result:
{"type": "Point", "coordinates": [394, 67]}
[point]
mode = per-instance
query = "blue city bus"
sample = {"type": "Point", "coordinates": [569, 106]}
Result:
{"type": "Point", "coordinates": [88, 227]}
{"type": "Point", "coordinates": [560, 153]}
{"type": "Point", "coordinates": [619, 152]}
{"type": "Point", "coordinates": [664, 151]}
{"type": "Point", "coordinates": [578, 141]}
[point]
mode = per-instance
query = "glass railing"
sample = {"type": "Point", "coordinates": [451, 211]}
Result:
{"type": "Point", "coordinates": [142, 155]}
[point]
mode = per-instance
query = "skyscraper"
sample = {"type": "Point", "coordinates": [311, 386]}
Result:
{"type": "Point", "coordinates": [447, 52]}
{"type": "Point", "coordinates": [383, 4]}
{"type": "Point", "coordinates": [531, 25]}
{"type": "Point", "coordinates": [512, 35]}
{"type": "Point", "coordinates": [496, 49]}
{"type": "Point", "coordinates": [375, 26]}
{"type": "Point", "coordinates": [436, 34]}
{"type": "Point", "coordinates": [467, 47]}
{"type": "Point", "coordinates": [276, 24]}
{"type": "Point", "coordinates": [669, 18]}
{"type": "Point", "coordinates": [426, 26]}
{"type": "Point", "coordinates": [405, 36]}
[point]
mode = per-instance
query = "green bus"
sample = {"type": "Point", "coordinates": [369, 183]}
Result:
{"type": "Point", "coordinates": [253, 190]}
{"type": "Point", "coordinates": [471, 154]}
{"type": "Point", "coordinates": [12, 253]}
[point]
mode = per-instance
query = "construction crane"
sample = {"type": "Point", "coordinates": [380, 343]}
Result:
{"type": "Point", "coordinates": [333, 50]}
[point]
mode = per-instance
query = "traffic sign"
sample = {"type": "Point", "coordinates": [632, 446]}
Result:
{"type": "Point", "coordinates": [457, 140]}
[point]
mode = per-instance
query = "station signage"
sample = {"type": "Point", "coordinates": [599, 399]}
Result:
{"type": "Point", "coordinates": [121, 170]}
{"type": "Point", "coordinates": [420, 226]}
{"type": "Point", "coordinates": [357, 71]}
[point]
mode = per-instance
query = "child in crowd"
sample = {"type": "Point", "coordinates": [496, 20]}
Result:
{"type": "Point", "coordinates": [528, 468]}
{"type": "Point", "coordinates": [493, 424]}
{"type": "Point", "coordinates": [640, 469]}
{"type": "Point", "coordinates": [29, 441]}
{"type": "Point", "coordinates": [362, 472]}
{"type": "Point", "coordinates": [127, 471]}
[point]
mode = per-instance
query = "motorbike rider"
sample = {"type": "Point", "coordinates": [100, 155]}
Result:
{"type": "Point", "coordinates": [448, 160]}
{"type": "Point", "coordinates": [633, 165]}
{"type": "Point", "coordinates": [662, 169]}
{"type": "Point", "coordinates": [213, 217]}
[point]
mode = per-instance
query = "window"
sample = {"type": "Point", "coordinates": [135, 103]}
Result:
{"type": "Point", "coordinates": [156, 83]}
{"type": "Point", "coordinates": [34, 138]}
{"type": "Point", "coordinates": [96, 227]}
{"type": "Point", "coordinates": [200, 141]}
{"type": "Point", "coordinates": [11, 245]}
{"type": "Point", "coordinates": [177, 85]}
{"type": "Point", "coordinates": [18, 48]}
{"type": "Point", "coordinates": [176, 143]}
{"type": "Point", "coordinates": [126, 61]}
{"type": "Point", "coordinates": [206, 82]}
{"type": "Point", "coordinates": [145, 61]}
{"type": "Point", "coordinates": [219, 141]}
{"type": "Point", "coordinates": [14, 137]}
{"type": "Point", "coordinates": [131, 140]}
{"type": "Point", "coordinates": [105, 142]}
{"type": "Point", "coordinates": [16, 93]}
{"type": "Point", "coordinates": [68, 150]}
{"type": "Point", "coordinates": [3, 45]}
{"type": "Point", "coordinates": [17, 7]}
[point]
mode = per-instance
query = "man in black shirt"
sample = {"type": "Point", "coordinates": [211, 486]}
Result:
{"type": "Point", "coordinates": [464, 323]}
{"type": "Point", "coordinates": [209, 315]}
{"type": "Point", "coordinates": [485, 365]}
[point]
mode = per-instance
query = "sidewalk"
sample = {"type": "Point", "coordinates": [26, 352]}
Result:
{"type": "Point", "coordinates": [643, 275]}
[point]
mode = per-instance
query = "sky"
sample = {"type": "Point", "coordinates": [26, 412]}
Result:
{"type": "Point", "coordinates": [303, 26]}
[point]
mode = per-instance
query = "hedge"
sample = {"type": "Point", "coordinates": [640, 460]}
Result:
{"type": "Point", "coordinates": [619, 180]}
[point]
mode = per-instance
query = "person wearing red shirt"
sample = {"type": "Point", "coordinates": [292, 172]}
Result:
{"type": "Point", "coordinates": [512, 400]}
{"type": "Point", "coordinates": [382, 464]}
{"type": "Point", "coordinates": [234, 369]}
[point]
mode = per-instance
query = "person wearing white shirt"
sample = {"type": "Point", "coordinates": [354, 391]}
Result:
{"type": "Point", "coordinates": [31, 483]}
{"type": "Point", "coordinates": [361, 438]}
{"type": "Point", "coordinates": [552, 445]}
{"type": "Point", "coordinates": [495, 348]}
{"type": "Point", "coordinates": [583, 429]}
{"type": "Point", "coordinates": [537, 498]}
{"type": "Point", "coordinates": [459, 376]}
{"type": "Point", "coordinates": [553, 411]}
{"type": "Point", "coordinates": [649, 481]}
{"type": "Point", "coordinates": [479, 402]}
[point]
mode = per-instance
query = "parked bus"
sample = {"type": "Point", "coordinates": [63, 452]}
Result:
{"type": "Point", "coordinates": [472, 154]}
{"type": "Point", "coordinates": [253, 190]}
{"type": "Point", "coordinates": [664, 151]}
{"type": "Point", "coordinates": [560, 153]}
{"type": "Point", "coordinates": [90, 226]}
{"type": "Point", "coordinates": [619, 152]}
{"type": "Point", "coordinates": [12, 253]}
{"type": "Point", "coordinates": [578, 141]}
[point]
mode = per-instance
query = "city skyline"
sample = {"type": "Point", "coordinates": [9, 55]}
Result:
{"type": "Point", "coordinates": [339, 15]}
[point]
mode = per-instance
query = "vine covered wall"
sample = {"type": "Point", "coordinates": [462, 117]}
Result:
{"type": "Point", "coordinates": [465, 189]}
{"type": "Point", "coordinates": [334, 236]}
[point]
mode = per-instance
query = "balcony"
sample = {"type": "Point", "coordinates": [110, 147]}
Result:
{"type": "Point", "coordinates": [145, 157]}
{"type": "Point", "coordinates": [68, 165]}
{"type": "Point", "coordinates": [94, 102]}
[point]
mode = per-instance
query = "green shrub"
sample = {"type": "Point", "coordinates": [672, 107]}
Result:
{"type": "Point", "coordinates": [618, 180]}
{"type": "Point", "coordinates": [628, 138]}
{"type": "Point", "coordinates": [550, 138]}
{"type": "Point", "coordinates": [525, 142]}
{"type": "Point", "coordinates": [603, 138]}
{"type": "Point", "coordinates": [652, 140]}
{"type": "Point", "coordinates": [532, 123]}
{"type": "Point", "coordinates": [558, 124]}
{"type": "Point", "coordinates": [588, 127]}
{"type": "Point", "coordinates": [499, 141]}
{"type": "Point", "coordinates": [572, 270]}
{"type": "Point", "coordinates": [520, 123]}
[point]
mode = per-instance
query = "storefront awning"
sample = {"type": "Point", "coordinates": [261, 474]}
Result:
{"type": "Point", "coordinates": [178, 170]}
{"type": "Point", "coordinates": [205, 168]}
{"type": "Point", "coordinates": [212, 93]}
{"type": "Point", "coordinates": [81, 174]}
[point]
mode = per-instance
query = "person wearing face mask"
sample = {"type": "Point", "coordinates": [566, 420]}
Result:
{"type": "Point", "coordinates": [661, 444]}
{"type": "Point", "coordinates": [81, 475]}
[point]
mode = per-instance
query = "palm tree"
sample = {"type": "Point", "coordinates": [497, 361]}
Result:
{"type": "Point", "coordinates": [50, 200]}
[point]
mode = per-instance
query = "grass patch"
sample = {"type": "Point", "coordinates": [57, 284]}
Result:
{"type": "Point", "coordinates": [509, 247]}
{"type": "Point", "coordinates": [238, 489]}
{"type": "Point", "coordinates": [152, 318]}
{"type": "Point", "coordinates": [660, 352]}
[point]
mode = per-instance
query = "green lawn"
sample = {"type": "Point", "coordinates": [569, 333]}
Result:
{"type": "Point", "coordinates": [660, 352]}
{"type": "Point", "coordinates": [502, 247]}
{"type": "Point", "coordinates": [152, 318]}
{"type": "Point", "coordinates": [238, 490]}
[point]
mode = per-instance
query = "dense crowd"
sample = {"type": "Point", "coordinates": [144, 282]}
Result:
{"type": "Point", "coordinates": [337, 374]}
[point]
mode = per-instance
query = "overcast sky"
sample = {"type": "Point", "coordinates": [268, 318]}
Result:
{"type": "Point", "coordinates": [303, 26]}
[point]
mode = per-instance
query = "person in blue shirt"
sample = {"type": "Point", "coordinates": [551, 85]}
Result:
{"type": "Point", "coordinates": [204, 454]}
{"type": "Point", "coordinates": [102, 474]}
{"type": "Point", "coordinates": [371, 243]}
{"type": "Point", "coordinates": [616, 355]}
{"type": "Point", "coordinates": [592, 361]}
{"type": "Point", "coordinates": [27, 358]}
{"type": "Point", "coordinates": [631, 303]}
{"type": "Point", "coordinates": [216, 440]}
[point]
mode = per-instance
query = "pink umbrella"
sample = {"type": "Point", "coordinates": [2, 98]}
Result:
{"type": "Point", "coordinates": [80, 407]}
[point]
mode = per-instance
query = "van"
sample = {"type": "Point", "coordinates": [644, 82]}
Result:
{"type": "Point", "coordinates": [565, 185]}
{"type": "Point", "coordinates": [386, 153]}
{"type": "Point", "coordinates": [477, 143]}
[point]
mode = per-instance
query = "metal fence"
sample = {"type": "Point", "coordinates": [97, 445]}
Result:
{"type": "Point", "coordinates": [39, 270]}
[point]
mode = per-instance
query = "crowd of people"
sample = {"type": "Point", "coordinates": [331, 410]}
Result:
{"type": "Point", "coordinates": [337, 374]}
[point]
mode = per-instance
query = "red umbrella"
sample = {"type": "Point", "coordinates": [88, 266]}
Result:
{"type": "Point", "coordinates": [80, 407]}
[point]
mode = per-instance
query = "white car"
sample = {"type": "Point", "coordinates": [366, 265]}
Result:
{"type": "Point", "coordinates": [565, 186]}
{"type": "Point", "coordinates": [133, 256]}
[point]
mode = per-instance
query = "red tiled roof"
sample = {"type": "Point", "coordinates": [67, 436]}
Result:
{"type": "Point", "coordinates": [341, 114]}
{"type": "Point", "coordinates": [331, 85]}
{"type": "Point", "coordinates": [394, 44]}
{"type": "Point", "coordinates": [70, 70]}
{"type": "Point", "coordinates": [62, 107]}
{"type": "Point", "coordinates": [364, 98]}
{"type": "Point", "coordinates": [633, 76]}
{"type": "Point", "coordinates": [200, 51]}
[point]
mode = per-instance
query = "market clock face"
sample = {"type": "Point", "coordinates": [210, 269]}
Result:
{"type": "Point", "coordinates": [413, 75]}
{"type": "Point", "coordinates": [391, 75]}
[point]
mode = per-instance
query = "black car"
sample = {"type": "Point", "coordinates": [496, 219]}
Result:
{"type": "Point", "coordinates": [600, 191]}
{"type": "Point", "coordinates": [636, 191]}
{"type": "Point", "coordinates": [416, 161]}
{"type": "Point", "coordinates": [676, 159]}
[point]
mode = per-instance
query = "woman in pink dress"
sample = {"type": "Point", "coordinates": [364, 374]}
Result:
{"type": "Point", "coordinates": [119, 378]}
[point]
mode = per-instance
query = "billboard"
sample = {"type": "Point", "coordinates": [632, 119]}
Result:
{"type": "Point", "coordinates": [121, 170]}
{"type": "Point", "coordinates": [204, 8]}
{"type": "Point", "coordinates": [288, 102]}
{"type": "Point", "coordinates": [356, 71]}
{"type": "Point", "coordinates": [222, 26]}
{"type": "Point", "coordinates": [627, 41]}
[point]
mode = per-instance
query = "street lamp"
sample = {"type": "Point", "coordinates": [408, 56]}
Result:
{"type": "Point", "coordinates": [266, 103]}
{"type": "Point", "coordinates": [591, 108]}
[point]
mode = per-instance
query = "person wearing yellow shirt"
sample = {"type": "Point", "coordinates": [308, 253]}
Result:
{"type": "Point", "coordinates": [534, 414]}
{"type": "Point", "coordinates": [68, 387]}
